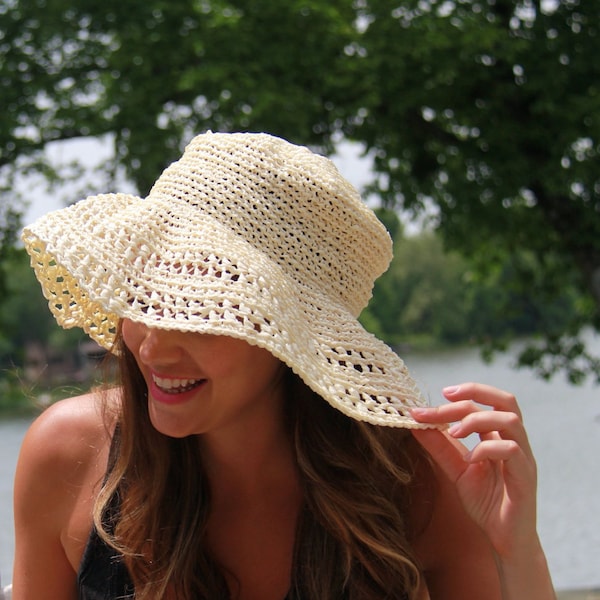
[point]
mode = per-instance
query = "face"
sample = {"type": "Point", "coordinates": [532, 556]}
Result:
{"type": "Point", "coordinates": [201, 384]}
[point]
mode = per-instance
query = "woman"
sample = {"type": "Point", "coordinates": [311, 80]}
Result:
{"type": "Point", "coordinates": [261, 444]}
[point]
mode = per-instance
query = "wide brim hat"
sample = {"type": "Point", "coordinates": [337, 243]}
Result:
{"type": "Point", "coordinates": [248, 236]}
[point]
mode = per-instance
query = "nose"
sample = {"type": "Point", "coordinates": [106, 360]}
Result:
{"type": "Point", "coordinates": [160, 347]}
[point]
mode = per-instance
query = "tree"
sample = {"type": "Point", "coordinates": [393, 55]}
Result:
{"type": "Point", "coordinates": [24, 313]}
{"type": "Point", "coordinates": [430, 297]}
{"type": "Point", "coordinates": [490, 110]}
{"type": "Point", "coordinates": [485, 109]}
{"type": "Point", "coordinates": [423, 299]}
{"type": "Point", "coordinates": [9, 226]}
{"type": "Point", "coordinates": [151, 73]}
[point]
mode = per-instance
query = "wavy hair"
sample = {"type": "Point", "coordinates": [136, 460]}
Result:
{"type": "Point", "coordinates": [352, 538]}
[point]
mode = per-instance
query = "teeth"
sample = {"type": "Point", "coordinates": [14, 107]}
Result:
{"type": "Point", "coordinates": [175, 386]}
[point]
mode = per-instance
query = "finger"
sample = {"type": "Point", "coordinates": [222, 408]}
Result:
{"type": "Point", "coordinates": [492, 425]}
{"type": "Point", "coordinates": [446, 413]}
{"type": "Point", "coordinates": [454, 459]}
{"type": "Point", "coordinates": [483, 394]}
{"type": "Point", "coordinates": [494, 450]}
{"type": "Point", "coordinates": [446, 452]}
{"type": "Point", "coordinates": [518, 468]}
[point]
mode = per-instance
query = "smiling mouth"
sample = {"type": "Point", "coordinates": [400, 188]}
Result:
{"type": "Point", "coordinates": [175, 386]}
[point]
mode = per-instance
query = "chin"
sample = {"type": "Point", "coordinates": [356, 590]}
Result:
{"type": "Point", "coordinates": [170, 426]}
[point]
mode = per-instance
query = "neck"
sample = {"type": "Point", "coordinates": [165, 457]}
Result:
{"type": "Point", "coordinates": [256, 498]}
{"type": "Point", "coordinates": [249, 461]}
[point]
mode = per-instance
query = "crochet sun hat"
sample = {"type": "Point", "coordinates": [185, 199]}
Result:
{"type": "Point", "coordinates": [249, 236]}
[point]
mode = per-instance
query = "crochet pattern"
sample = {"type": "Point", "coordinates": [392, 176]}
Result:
{"type": "Point", "coordinates": [248, 236]}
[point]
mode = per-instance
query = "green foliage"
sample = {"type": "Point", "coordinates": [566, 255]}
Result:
{"type": "Point", "coordinates": [422, 296]}
{"type": "Point", "coordinates": [10, 221]}
{"type": "Point", "coordinates": [153, 73]}
{"type": "Point", "coordinates": [488, 111]}
{"type": "Point", "coordinates": [430, 297]}
{"type": "Point", "coordinates": [24, 314]}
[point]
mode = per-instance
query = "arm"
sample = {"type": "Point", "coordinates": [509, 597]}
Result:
{"type": "Point", "coordinates": [495, 483]}
{"type": "Point", "coordinates": [50, 490]}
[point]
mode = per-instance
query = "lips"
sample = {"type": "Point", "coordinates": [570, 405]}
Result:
{"type": "Point", "coordinates": [175, 386]}
{"type": "Point", "coordinates": [174, 390]}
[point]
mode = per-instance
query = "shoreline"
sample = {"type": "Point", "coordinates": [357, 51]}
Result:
{"type": "Point", "coordinates": [582, 594]}
{"type": "Point", "coordinates": [578, 594]}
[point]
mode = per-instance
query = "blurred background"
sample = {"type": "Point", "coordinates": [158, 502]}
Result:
{"type": "Point", "coordinates": [472, 127]}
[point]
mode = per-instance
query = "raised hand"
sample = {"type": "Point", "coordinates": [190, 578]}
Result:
{"type": "Point", "coordinates": [496, 480]}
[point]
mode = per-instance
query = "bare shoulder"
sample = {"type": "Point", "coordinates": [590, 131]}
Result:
{"type": "Point", "coordinates": [63, 444]}
{"type": "Point", "coordinates": [456, 557]}
{"type": "Point", "coordinates": [63, 453]}
{"type": "Point", "coordinates": [69, 431]}
{"type": "Point", "coordinates": [61, 465]}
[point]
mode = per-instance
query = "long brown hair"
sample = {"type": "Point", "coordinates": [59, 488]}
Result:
{"type": "Point", "coordinates": [352, 540]}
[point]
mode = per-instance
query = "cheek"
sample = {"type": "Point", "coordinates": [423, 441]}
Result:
{"type": "Point", "coordinates": [132, 335]}
{"type": "Point", "coordinates": [235, 357]}
{"type": "Point", "coordinates": [262, 367]}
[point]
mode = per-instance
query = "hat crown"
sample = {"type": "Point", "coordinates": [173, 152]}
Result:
{"type": "Point", "coordinates": [287, 202]}
{"type": "Point", "coordinates": [247, 236]}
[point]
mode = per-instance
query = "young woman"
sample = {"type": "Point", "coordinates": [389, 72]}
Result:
{"type": "Point", "coordinates": [261, 445]}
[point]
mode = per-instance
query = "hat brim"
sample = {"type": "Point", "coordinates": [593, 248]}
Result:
{"type": "Point", "coordinates": [102, 260]}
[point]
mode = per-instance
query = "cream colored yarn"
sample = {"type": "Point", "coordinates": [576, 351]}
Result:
{"type": "Point", "coordinates": [246, 235]}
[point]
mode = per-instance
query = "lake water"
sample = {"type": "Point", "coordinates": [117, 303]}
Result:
{"type": "Point", "coordinates": [564, 428]}
{"type": "Point", "coordinates": [563, 424]}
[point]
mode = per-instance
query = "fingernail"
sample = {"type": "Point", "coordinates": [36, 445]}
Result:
{"type": "Point", "coordinates": [418, 412]}
{"type": "Point", "coordinates": [449, 391]}
{"type": "Point", "coordinates": [453, 428]}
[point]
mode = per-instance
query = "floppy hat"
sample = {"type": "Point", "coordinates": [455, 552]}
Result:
{"type": "Point", "coordinates": [246, 235]}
